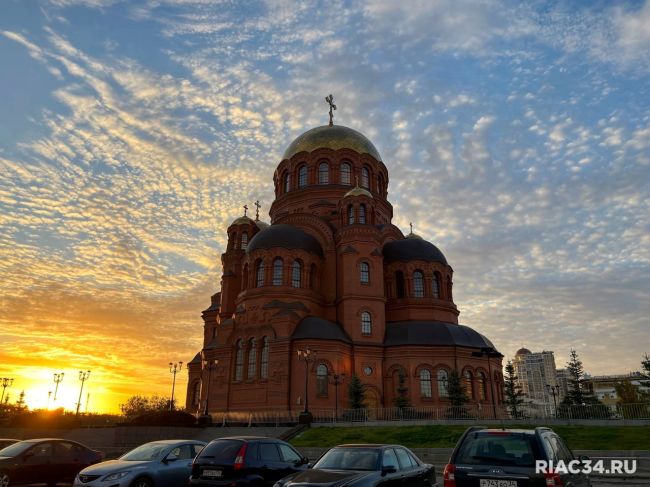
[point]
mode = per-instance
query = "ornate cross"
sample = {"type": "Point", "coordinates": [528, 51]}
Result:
{"type": "Point", "coordinates": [330, 100]}
{"type": "Point", "coordinates": [257, 211]}
{"type": "Point", "coordinates": [245, 210]}
{"type": "Point", "coordinates": [410, 223]}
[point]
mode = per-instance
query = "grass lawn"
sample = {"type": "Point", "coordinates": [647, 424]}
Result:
{"type": "Point", "coordinates": [442, 436]}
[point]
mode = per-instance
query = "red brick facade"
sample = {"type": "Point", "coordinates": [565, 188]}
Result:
{"type": "Point", "coordinates": [333, 274]}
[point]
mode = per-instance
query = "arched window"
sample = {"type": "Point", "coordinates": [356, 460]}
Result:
{"type": "Point", "coordinates": [302, 176]}
{"type": "Point", "coordinates": [469, 391]}
{"type": "Point", "coordinates": [196, 394]}
{"type": "Point", "coordinates": [321, 380]}
{"type": "Point", "coordinates": [366, 323]}
{"type": "Point", "coordinates": [362, 214]}
{"type": "Point", "coordinates": [418, 284]}
{"type": "Point", "coordinates": [482, 386]}
{"type": "Point", "coordinates": [239, 360]}
{"type": "Point", "coordinates": [365, 178]}
{"type": "Point", "coordinates": [277, 272]}
{"type": "Point", "coordinates": [323, 173]}
{"type": "Point", "coordinates": [259, 274]}
{"type": "Point", "coordinates": [350, 215]}
{"type": "Point", "coordinates": [443, 383]}
{"type": "Point", "coordinates": [380, 185]}
{"type": "Point", "coordinates": [449, 289]}
{"type": "Point", "coordinates": [399, 284]}
{"type": "Point", "coordinates": [364, 273]}
{"type": "Point", "coordinates": [435, 285]}
{"type": "Point", "coordinates": [252, 359]}
{"type": "Point", "coordinates": [264, 358]}
{"type": "Point", "coordinates": [345, 173]}
{"type": "Point", "coordinates": [296, 273]}
{"type": "Point", "coordinates": [287, 182]}
{"type": "Point", "coordinates": [425, 383]}
{"type": "Point", "coordinates": [244, 240]}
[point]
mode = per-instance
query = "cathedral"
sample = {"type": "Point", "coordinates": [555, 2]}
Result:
{"type": "Point", "coordinates": [331, 288]}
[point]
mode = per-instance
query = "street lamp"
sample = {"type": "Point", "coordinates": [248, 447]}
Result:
{"type": "Point", "coordinates": [174, 368]}
{"type": "Point", "coordinates": [489, 352]}
{"type": "Point", "coordinates": [208, 364]}
{"type": "Point", "coordinates": [336, 380]}
{"type": "Point", "coordinates": [6, 382]}
{"type": "Point", "coordinates": [308, 356]}
{"type": "Point", "coordinates": [83, 377]}
{"type": "Point", "coordinates": [554, 390]}
{"type": "Point", "coordinates": [57, 379]}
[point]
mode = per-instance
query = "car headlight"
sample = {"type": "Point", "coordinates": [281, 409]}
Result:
{"type": "Point", "coordinates": [116, 476]}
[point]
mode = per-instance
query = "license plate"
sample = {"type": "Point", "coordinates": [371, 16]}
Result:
{"type": "Point", "coordinates": [213, 473]}
{"type": "Point", "coordinates": [497, 483]}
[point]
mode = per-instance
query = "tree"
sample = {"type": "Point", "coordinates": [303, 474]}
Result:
{"type": "Point", "coordinates": [402, 400]}
{"type": "Point", "coordinates": [138, 405]}
{"type": "Point", "coordinates": [645, 365]}
{"type": "Point", "coordinates": [514, 396]}
{"type": "Point", "coordinates": [457, 397]}
{"type": "Point", "coordinates": [356, 393]}
{"type": "Point", "coordinates": [576, 379]}
{"type": "Point", "coordinates": [579, 403]}
{"type": "Point", "coordinates": [20, 403]}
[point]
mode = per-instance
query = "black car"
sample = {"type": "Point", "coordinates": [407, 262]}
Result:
{"type": "Point", "coordinates": [47, 460]}
{"type": "Point", "coordinates": [365, 466]}
{"type": "Point", "coordinates": [486, 457]}
{"type": "Point", "coordinates": [245, 461]}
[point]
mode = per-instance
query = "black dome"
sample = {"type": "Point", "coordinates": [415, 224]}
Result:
{"type": "Point", "coordinates": [284, 236]}
{"type": "Point", "coordinates": [412, 249]}
{"type": "Point", "coordinates": [436, 333]}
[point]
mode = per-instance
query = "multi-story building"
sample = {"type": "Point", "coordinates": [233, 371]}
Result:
{"type": "Point", "coordinates": [603, 387]}
{"type": "Point", "coordinates": [534, 372]}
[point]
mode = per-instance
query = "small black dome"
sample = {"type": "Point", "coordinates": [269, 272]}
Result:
{"type": "Point", "coordinates": [284, 236]}
{"type": "Point", "coordinates": [412, 249]}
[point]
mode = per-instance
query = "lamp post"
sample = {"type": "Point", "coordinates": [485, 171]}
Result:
{"type": "Point", "coordinates": [6, 382]}
{"type": "Point", "coordinates": [336, 380]}
{"type": "Point", "coordinates": [49, 395]}
{"type": "Point", "coordinates": [174, 368]}
{"type": "Point", "coordinates": [554, 390]}
{"type": "Point", "coordinates": [308, 356]}
{"type": "Point", "coordinates": [83, 377]}
{"type": "Point", "coordinates": [57, 380]}
{"type": "Point", "coordinates": [208, 364]}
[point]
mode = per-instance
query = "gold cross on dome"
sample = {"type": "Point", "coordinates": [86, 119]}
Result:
{"type": "Point", "coordinates": [330, 100]}
{"type": "Point", "coordinates": [257, 211]}
{"type": "Point", "coordinates": [245, 210]}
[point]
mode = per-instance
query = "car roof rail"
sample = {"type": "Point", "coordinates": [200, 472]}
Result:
{"type": "Point", "coordinates": [543, 428]}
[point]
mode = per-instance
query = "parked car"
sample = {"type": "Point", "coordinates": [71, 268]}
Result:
{"type": "Point", "coordinates": [365, 466]}
{"type": "Point", "coordinates": [6, 442]}
{"type": "Point", "coordinates": [245, 461]}
{"type": "Point", "coordinates": [165, 463]}
{"type": "Point", "coordinates": [506, 458]}
{"type": "Point", "coordinates": [45, 460]}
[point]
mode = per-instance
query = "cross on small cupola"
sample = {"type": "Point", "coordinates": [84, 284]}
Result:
{"type": "Point", "coordinates": [330, 99]}
{"type": "Point", "coordinates": [257, 210]}
{"type": "Point", "coordinates": [245, 210]}
{"type": "Point", "coordinates": [411, 225]}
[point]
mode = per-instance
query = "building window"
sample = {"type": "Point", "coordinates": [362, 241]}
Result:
{"type": "Point", "coordinates": [482, 386]}
{"type": "Point", "coordinates": [435, 285]}
{"type": "Point", "coordinates": [418, 284]}
{"type": "Point", "coordinates": [196, 394]}
{"type": "Point", "coordinates": [321, 380]}
{"type": "Point", "coordinates": [399, 284]}
{"type": "Point", "coordinates": [362, 214]}
{"type": "Point", "coordinates": [323, 173]}
{"type": "Point", "coordinates": [345, 173]}
{"type": "Point", "coordinates": [244, 241]}
{"type": "Point", "coordinates": [259, 274]}
{"type": "Point", "coordinates": [252, 359]}
{"type": "Point", "coordinates": [443, 383]}
{"type": "Point", "coordinates": [264, 358]}
{"type": "Point", "coordinates": [302, 176]}
{"type": "Point", "coordinates": [287, 182]}
{"type": "Point", "coordinates": [469, 391]}
{"type": "Point", "coordinates": [296, 274]}
{"type": "Point", "coordinates": [364, 273]}
{"type": "Point", "coordinates": [350, 215]}
{"type": "Point", "coordinates": [425, 383]}
{"type": "Point", "coordinates": [365, 178]}
{"type": "Point", "coordinates": [239, 361]}
{"type": "Point", "coordinates": [366, 323]}
{"type": "Point", "coordinates": [277, 272]}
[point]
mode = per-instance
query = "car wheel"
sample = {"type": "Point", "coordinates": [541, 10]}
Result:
{"type": "Point", "coordinates": [4, 480]}
{"type": "Point", "coordinates": [141, 482]}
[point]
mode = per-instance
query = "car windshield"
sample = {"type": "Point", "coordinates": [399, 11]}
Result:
{"type": "Point", "coordinates": [498, 448]}
{"type": "Point", "coordinates": [16, 448]}
{"type": "Point", "coordinates": [146, 452]}
{"type": "Point", "coordinates": [349, 459]}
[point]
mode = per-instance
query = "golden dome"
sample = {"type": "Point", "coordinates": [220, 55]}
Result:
{"type": "Point", "coordinates": [358, 191]}
{"type": "Point", "coordinates": [242, 220]}
{"type": "Point", "coordinates": [331, 137]}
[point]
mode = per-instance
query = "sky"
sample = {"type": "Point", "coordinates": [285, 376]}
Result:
{"type": "Point", "coordinates": [516, 135]}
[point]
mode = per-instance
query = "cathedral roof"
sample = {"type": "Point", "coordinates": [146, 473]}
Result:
{"type": "Point", "coordinates": [319, 328]}
{"type": "Point", "coordinates": [284, 236]}
{"type": "Point", "coordinates": [412, 249]}
{"type": "Point", "coordinates": [243, 220]}
{"type": "Point", "coordinates": [331, 137]}
{"type": "Point", "coordinates": [433, 333]}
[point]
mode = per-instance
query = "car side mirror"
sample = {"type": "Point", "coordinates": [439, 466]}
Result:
{"type": "Point", "coordinates": [310, 464]}
{"type": "Point", "coordinates": [388, 469]}
{"type": "Point", "coordinates": [170, 458]}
